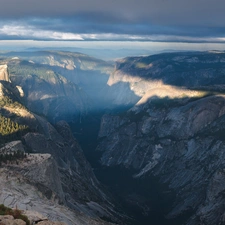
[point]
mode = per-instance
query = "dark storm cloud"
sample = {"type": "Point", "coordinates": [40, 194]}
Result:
{"type": "Point", "coordinates": [164, 12]}
{"type": "Point", "coordinates": [191, 18]}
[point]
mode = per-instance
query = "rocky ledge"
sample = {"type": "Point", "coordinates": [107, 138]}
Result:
{"type": "Point", "coordinates": [10, 220]}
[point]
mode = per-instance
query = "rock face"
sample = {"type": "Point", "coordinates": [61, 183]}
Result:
{"type": "Point", "coordinates": [78, 181]}
{"type": "Point", "coordinates": [172, 142]}
{"type": "Point", "coordinates": [167, 150]}
{"type": "Point", "coordinates": [34, 184]}
{"type": "Point", "coordinates": [47, 92]}
{"type": "Point", "coordinates": [12, 147]}
{"type": "Point", "coordinates": [39, 219]}
{"type": "Point", "coordinates": [56, 179]}
{"type": "Point", "coordinates": [180, 70]}
{"type": "Point", "coordinates": [4, 75]}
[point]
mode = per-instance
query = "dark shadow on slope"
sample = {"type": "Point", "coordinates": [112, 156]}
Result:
{"type": "Point", "coordinates": [86, 132]}
{"type": "Point", "coordinates": [146, 198]}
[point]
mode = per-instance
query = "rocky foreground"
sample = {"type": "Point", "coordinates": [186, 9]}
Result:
{"type": "Point", "coordinates": [25, 184]}
{"type": "Point", "coordinates": [9, 220]}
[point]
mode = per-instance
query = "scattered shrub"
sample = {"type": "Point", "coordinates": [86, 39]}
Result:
{"type": "Point", "coordinates": [16, 213]}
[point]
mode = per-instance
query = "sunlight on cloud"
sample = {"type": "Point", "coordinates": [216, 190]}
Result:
{"type": "Point", "coordinates": [66, 36]}
{"type": "Point", "coordinates": [31, 32]}
{"type": "Point", "coordinates": [111, 36]}
{"type": "Point", "coordinates": [16, 31]}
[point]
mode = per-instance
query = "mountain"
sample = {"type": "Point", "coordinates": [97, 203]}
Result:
{"type": "Point", "coordinates": [65, 75]}
{"type": "Point", "coordinates": [67, 86]}
{"type": "Point", "coordinates": [152, 128]}
{"type": "Point", "coordinates": [54, 177]}
{"type": "Point", "coordinates": [170, 145]}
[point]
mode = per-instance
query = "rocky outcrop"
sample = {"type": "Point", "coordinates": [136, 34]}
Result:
{"type": "Point", "coordinates": [4, 75]}
{"type": "Point", "coordinates": [33, 184]}
{"type": "Point", "coordinates": [12, 147]}
{"type": "Point", "coordinates": [9, 220]}
{"type": "Point", "coordinates": [50, 223]}
{"type": "Point", "coordinates": [21, 92]}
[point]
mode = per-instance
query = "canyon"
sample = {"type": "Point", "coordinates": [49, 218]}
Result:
{"type": "Point", "coordinates": [136, 141]}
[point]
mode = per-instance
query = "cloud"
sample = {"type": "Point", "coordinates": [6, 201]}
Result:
{"type": "Point", "coordinates": [160, 12]}
{"type": "Point", "coordinates": [32, 33]}
{"type": "Point", "coordinates": [16, 31]}
{"type": "Point", "coordinates": [172, 20]}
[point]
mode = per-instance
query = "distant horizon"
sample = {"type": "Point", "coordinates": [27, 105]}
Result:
{"type": "Point", "coordinates": [109, 49]}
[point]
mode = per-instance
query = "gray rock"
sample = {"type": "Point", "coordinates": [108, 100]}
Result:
{"type": "Point", "coordinates": [173, 134]}
{"type": "Point", "coordinates": [9, 220]}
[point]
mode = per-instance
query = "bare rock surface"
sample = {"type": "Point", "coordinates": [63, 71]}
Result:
{"type": "Point", "coordinates": [4, 75]}
{"type": "Point", "coordinates": [9, 220]}
{"type": "Point", "coordinates": [27, 185]}
{"type": "Point", "coordinates": [12, 147]}
{"type": "Point", "coordinates": [183, 147]}
{"type": "Point", "coordinates": [58, 170]}
{"type": "Point", "coordinates": [173, 137]}
{"type": "Point", "coordinates": [38, 219]}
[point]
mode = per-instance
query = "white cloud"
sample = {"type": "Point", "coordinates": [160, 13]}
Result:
{"type": "Point", "coordinates": [157, 38]}
{"type": "Point", "coordinates": [33, 33]}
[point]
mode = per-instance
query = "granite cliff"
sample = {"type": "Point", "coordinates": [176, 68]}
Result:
{"type": "Point", "coordinates": [55, 178]}
{"type": "Point", "coordinates": [170, 145]}
{"type": "Point", "coordinates": [33, 185]}
{"type": "Point", "coordinates": [4, 75]}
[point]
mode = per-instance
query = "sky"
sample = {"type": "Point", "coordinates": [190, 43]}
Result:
{"type": "Point", "coordinates": [191, 21]}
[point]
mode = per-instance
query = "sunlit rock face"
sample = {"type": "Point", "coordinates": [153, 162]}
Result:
{"type": "Point", "coordinates": [166, 75]}
{"type": "Point", "coordinates": [21, 92]}
{"type": "Point", "coordinates": [4, 75]}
